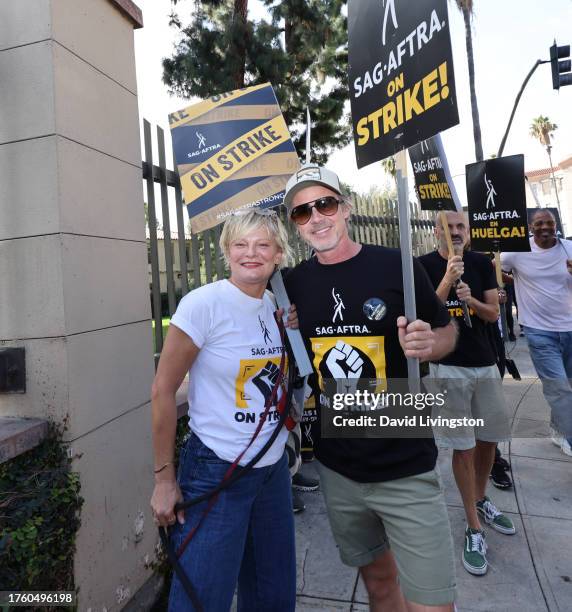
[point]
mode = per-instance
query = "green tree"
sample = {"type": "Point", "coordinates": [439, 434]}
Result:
{"type": "Point", "coordinates": [542, 129]}
{"type": "Point", "coordinates": [467, 8]}
{"type": "Point", "coordinates": [382, 193]}
{"type": "Point", "coordinates": [300, 47]}
{"type": "Point", "coordinates": [348, 189]}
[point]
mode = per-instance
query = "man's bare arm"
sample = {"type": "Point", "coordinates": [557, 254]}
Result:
{"type": "Point", "coordinates": [445, 341]}
{"type": "Point", "coordinates": [488, 309]}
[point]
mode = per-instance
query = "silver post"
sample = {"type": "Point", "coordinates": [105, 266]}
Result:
{"type": "Point", "coordinates": [308, 135]}
{"type": "Point", "coordinates": [294, 335]}
{"type": "Point", "coordinates": [407, 260]}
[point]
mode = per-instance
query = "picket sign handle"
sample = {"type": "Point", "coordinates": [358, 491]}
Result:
{"type": "Point", "coordinates": [502, 307]}
{"type": "Point", "coordinates": [498, 269]}
{"type": "Point", "coordinates": [413, 376]}
{"type": "Point", "coordinates": [296, 341]}
{"type": "Point", "coordinates": [445, 226]}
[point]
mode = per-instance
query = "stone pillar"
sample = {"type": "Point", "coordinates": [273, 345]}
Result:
{"type": "Point", "coordinates": [73, 267]}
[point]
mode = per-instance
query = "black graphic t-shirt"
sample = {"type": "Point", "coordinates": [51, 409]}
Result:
{"type": "Point", "coordinates": [474, 348]}
{"type": "Point", "coordinates": [343, 342]}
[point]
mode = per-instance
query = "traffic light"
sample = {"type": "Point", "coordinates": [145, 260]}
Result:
{"type": "Point", "coordinates": [561, 68]}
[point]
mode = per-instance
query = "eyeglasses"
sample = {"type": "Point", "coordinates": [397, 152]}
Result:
{"type": "Point", "coordinates": [263, 212]}
{"type": "Point", "coordinates": [327, 205]}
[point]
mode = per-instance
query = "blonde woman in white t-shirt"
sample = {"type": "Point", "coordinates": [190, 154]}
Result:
{"type": "Point", "coordinates": [226, 337]}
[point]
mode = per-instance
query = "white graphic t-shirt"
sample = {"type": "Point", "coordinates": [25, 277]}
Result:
{"type": "Point", "coordinates": [235, 370]}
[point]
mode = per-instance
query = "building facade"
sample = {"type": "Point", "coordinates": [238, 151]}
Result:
{"type": "Point", "coordinates": [542, 188]}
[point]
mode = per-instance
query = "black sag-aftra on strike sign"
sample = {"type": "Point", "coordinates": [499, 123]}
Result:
{"type": "Point", "coordinates": [402, 86]}
{"type": "Point", "coordinates": [433, 183]}
{"type": "Point", "coordinates": [497, 204]}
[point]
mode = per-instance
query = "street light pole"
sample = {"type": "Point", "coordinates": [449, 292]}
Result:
{"type": "Point", "coordinates": [517, 100]}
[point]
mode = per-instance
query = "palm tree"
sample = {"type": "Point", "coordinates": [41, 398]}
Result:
{"type": "Point", "coordinates": [542, 128]}
{"type": "Point", "coordinates": [388, 164]}
{"type": "Point", "coordinates": [466, 7]}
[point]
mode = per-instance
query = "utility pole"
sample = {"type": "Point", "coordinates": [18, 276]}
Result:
{"type": "Point", "coordinates": [561, 76]}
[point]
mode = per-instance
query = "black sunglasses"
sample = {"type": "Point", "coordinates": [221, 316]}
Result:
{"type": "Point", "coordinates": [328, 205]}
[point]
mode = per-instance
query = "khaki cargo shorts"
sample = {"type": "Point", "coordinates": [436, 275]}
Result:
{"type": "Point", "coordinates": [408, 515]}
{"type": "Point", "coordinates": [471, 393]}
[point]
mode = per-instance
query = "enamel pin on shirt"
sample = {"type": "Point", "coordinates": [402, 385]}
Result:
{"type": "Point", "coordinates": [374, 309]}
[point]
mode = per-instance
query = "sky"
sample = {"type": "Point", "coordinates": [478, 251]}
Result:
{"type": "Point", "coordinates": [508, 37]}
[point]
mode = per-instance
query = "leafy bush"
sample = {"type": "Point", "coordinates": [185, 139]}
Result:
{"type": "Point", "coordinates": [39, 518]}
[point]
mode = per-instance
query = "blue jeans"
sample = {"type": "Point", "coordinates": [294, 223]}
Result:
{"type": "Point", "coordinates": [248, 537]}
{"type": "Point", "coordinates": [551, 354]}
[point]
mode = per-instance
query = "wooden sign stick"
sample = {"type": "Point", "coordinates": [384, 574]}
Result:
{"type": "Point", "coordinates": [445, 226]}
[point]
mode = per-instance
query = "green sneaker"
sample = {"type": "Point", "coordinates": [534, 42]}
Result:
{"type": "Point", "coordinates": [494, 517]}
{"type": "Point", "coordinates": [474, 552]}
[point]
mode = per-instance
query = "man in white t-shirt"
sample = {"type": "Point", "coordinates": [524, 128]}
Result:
{"type": "Point", "coordinates": [543, 285]}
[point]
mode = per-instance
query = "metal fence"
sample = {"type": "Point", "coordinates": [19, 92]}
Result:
{"type": "Point", "coordinates": [197, 259]}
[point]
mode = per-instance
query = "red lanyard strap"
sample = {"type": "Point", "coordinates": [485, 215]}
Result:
{"type": "Point", "coordinates": [163, 533]}
{"type": "Point", "coordinates": [269, 402]}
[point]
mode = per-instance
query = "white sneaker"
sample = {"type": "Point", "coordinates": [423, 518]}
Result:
{"type": "Point", "coordinates": [566, 448]}
{"type": "Point", "coordinates": [556, 437]}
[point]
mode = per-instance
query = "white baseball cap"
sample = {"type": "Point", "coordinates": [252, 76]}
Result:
{"type": "Point", "coordinates": [307, 176]}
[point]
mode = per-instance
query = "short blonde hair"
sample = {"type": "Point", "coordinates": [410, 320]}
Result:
{"type": "Point", "coordinates": [242, 223]}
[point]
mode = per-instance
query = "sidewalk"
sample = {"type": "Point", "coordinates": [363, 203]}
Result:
{"type": "Point", "coordinates": [530, 571]}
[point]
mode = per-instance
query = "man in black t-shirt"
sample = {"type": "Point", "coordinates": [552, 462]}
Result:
{"type": "Point", "coordinates": [350, 306]}
{"type": "Point", "coordinates": [471, 378]}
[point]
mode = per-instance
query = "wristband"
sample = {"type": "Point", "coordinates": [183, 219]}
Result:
{"type": "Point", "coordinates": [163, 467]}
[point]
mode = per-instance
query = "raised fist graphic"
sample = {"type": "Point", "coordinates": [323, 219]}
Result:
{"type": "Point", "coordinates": [345, 365]}
{"type": "Point", "coordinates": [266, 379]}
